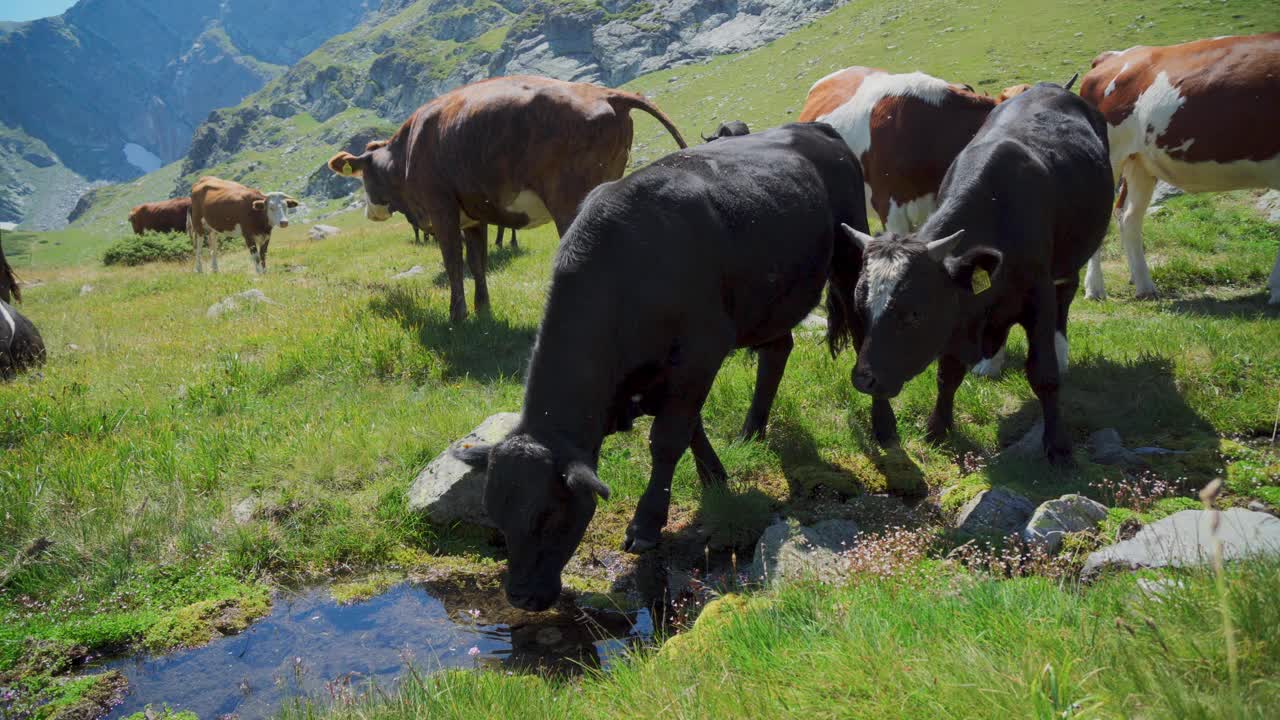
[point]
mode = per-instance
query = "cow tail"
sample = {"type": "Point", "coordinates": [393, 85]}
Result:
{"type": "Point", "coordinates": [628, 101]}
{"type": "Point", "coordinates": [8, 278]}
{"type": "Point", "coordinates": [842, 280]}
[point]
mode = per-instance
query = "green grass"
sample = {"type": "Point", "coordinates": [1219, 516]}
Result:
{"type": "Point", "coordinates": [151, 420]}
{"type": "Point", "coordinates": [933, 643]}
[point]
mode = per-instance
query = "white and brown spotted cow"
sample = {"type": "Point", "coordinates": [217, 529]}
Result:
{"type": "Point", "coordinates": [905, 129]}
{"type": "Point", "coordinates": [1201, 116]}
{"type": "Point", "coordinates": [224, 208]}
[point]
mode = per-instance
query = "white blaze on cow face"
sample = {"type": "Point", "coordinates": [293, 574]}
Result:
{"type": "Point", "coordinates": [278, 209]}
{"type": "Point", "coordinates": [883, 275]}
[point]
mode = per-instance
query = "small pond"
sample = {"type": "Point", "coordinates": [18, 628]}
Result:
{"type": "Point", "coordinates": [312, 647]}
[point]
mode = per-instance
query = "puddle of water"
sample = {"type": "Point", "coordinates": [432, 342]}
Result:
{"type": "Point", "coordinates": [309, 645]}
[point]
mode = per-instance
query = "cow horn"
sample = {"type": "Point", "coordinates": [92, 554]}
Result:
{"type": "Point", "coordinates": [858, 236]}
{"type": "Point", "coordinates": [940, 248]}
{"type": "Point", "coordinates": [1071, 82]}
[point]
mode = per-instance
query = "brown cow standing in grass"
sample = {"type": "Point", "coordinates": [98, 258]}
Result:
{"type": "Point", "coordinates": [516, 152]}
{"type": "Point", "coordinates": [1201, 115]}
{"type": "Point", "coordinates": [224, 208]}
{"type": "Point", "coordinates": [166, 216]}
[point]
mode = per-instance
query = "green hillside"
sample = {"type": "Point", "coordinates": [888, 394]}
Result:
{"type": "Point", "coordinates": [153, 420]}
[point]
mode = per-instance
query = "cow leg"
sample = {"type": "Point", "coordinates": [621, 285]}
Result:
{"type": "Point", "coordinates": [515, 243]}
{"type": "Point", "coordinates": [710, 470]}
{"type": "Point", "coordinates": [1141, 185]}
{"type": "Point", "coordinates": [674, 429]}
{"type": "Point", "coordinates": [501, 231]}
{"type": "Point", "coordinates": [771, 362]}
{"type": "Point", "coordinates": [253, 251]}
{"type": "Point", "coordinates": [1041, 324]}
{"type": "Point", "coordinates": [197, 240]}
{"type": "Point", "coordinates": [478, 258]}
{"type": "Point", "coordinates": [212, 242]}
{"type": "Point", "coordinates": [445, 226]}
{"type": "Point", "coordinates": [264, 243]}
{"type": "Point", "coordinates": [1095, 288]}
{"type": "Point", "coordinates": [950, 375]}
{"type": "Point", "coordinates": [1066, 291]}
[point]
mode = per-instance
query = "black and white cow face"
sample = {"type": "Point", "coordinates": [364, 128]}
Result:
{"type": "Point", "coordinates": [542, 505]}
{"type": "Point", "coordinates": [909, 298]}
{"type": "Point", "coordinates": [374, 167]}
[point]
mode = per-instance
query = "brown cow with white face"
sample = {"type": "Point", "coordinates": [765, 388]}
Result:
{"type": "Point", "coordinates": [905, 129]}
{"type": "Point", "coordinates": [514, 151]}
{"type": "Point", "coordinates": [224, 208]}
{"type": "Point", "coordinates": [165, 216]}
{"type": "Point", "coordinates": [1201, 116]}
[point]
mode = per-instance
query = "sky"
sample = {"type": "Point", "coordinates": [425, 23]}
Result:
{"type": "Point", "coordinates": [32, 9]}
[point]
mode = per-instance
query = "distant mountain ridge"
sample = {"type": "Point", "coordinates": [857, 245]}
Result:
{"type": "Point", "coordinates": [112, 88]}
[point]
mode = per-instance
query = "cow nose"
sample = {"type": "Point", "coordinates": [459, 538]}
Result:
{"type": "Point", "coordinates": [865, 381]}
{"type": "Point", "coordinates": [533, 602]}
{"type": "Point", "coordinates": [284, 223]}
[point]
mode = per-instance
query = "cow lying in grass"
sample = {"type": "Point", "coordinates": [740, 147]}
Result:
{"type": "Point", "coordinates": [662, 275]}
{"type": "Point", "coordinates": [1020, 212]}
{"type": "Point", "coordinates": [21, 346]}
{"type": "Point", "coordinates": [515, 152]}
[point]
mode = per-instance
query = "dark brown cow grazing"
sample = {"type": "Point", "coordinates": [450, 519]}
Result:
{"type": "Point", "coordinates": [904, 129]}
{"type": "Point", "coordinates": [223, 208]}
{"type": "Point", "coordinates": [1201, 116]}
{"type": "Point", "coordinates": [166, 216]}
{"type": "Point", "coordinates": [512, 151]}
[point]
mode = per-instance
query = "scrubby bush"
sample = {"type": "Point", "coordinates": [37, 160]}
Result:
{"type": "Point", "coordinates": [150, 247]}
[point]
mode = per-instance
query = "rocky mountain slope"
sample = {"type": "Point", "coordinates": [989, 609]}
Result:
{"type": "Point", "coordinates": [115, 88]}
{"type": "Point", "coordinates": [364, 83]}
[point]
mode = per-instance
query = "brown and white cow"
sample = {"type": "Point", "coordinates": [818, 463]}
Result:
{"type": "Point", "coordinates": [905, 129]}
{"type": "Point", "coordinates": [1200, 116]}
{"type": "Point", "coordinates": [515, 151]}
{"type": "Point", "coordinates": [165, 216]}
{"type": "Point", "coordinates": [225, 208]}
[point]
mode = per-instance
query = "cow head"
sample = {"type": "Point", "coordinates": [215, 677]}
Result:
{"type": "Point", "coordinates": [733, 128]}
{"type": "Point", "coordinates": [909, 299]}
{"type": "Point", "coordinates": [542, 503]}
{"type": "Point", "coordinates": [277, 205]}
{"type": "Point", "coordinates": [374, 167]}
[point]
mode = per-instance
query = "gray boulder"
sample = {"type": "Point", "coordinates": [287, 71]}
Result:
{"type": "Point", "coordinates": [1055, 518]}
{"type": "Point", "coordinates": [449, 490]}
{"type": "Point", "coordinates": [235, 302]}
{"type": "Point", "coordinates": [1269, 205]}
{"type": "Point", "coordinates": [994, 511]}
{"type": "Point", "coordinates": [785, 552]}
{"type": "Point", "coordinates": [1183, 539]}
{"type": "Point", "coordinates": [415, 270]}
{"type": "Point", "coordinates": [322, 232]}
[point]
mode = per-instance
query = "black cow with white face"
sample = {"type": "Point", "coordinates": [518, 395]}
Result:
{"type": "Point", "coordinates": [1020, 211]}
{"type": "Point", "coordinates": [660, 277]}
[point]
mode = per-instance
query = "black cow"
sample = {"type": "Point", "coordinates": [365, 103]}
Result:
{"type": "Point", "coordinates": [660, 277]}
{"type": "Point", "coordinates": [20, 343]}
{"type": "Point", "coordinates": [733, 128]}
{"type": "Point", "coordinates": [1020, 211]}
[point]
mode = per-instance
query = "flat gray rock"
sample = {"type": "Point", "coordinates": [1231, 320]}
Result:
{"type": "Point", "coordinates": [994, 511]}
{"type": "Point", "coordinates": [415, 270]}
{"type": "Point", "coordinates": [1054, 519]}
{"type": "Point", "coordinates": [1269, 205]}
{"type": "Point", "coordinates": [1029, 445]}
{"type": "Point", "coordinates": [449, 490]}
{"type": "Point", "coordinates": [1183, 540]}
{"type": "Point", "coordinates": [785, 552]}
{"type": "Point", "coordinates": [235, 302]}
{"type": "Point", "coordinates": [322, 232]}
{"type": "Point", "coordinates": [814, 324]}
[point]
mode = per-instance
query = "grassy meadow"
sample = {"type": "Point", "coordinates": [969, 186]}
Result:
{"type": "Point", "coordinates": [122, 460]}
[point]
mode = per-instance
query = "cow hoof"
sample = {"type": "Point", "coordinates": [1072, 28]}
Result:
{"type": "Point", "coordinates": [887, 439]}
{"type": "Point", "coordinates": [1148, 295]}
{"type": "Point", "coordinates": [639, 541]}
{"type": "Point", "coordinates": [936, 432]}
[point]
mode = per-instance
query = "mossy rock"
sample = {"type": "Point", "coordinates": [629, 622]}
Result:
{"type": "Point", "coordinates": [365, 588]}
{"type": "Point", "coordinates": [199, 623]}
{"type": "Point", "coordinates": [714, 617]}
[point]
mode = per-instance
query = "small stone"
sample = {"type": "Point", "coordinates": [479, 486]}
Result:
{"type": "Point", "coordinates": [415, 270]}
{"type": "Point", "coordinates": [449, 490]}
{"type": "Point", "coordinates": [787, 553]}
{"type": "Point", "coordinates": [322, 232]}
{"type": "Point", "coordinates": [85, 290]}
{"type": "Point", "coordinates": [994, 511]}
{"type": "Point", "coordinates": [242, 512]}
{"type": "Point", "coordinates": [814, 323]}
{"type": "Point", "coordinates": [1054, 519]}
{"type": "Point", "coordinates": [234, 302]}
{"type": "Point", "coordinates": [1029, 445]}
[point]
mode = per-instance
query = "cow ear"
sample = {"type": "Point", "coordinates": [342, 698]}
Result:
{"type": "Point", "coordinates": [973, 270]}
{"type": "Point", "coordinates": [477, 456]}
{"type": "Point", "coordinates": [259, 205]}
{"type": "Point", "coordinates": [581, 477]}
{"type": "Point", "coordinates": [346, 164]}
{"type": "Point", "coordinates": [291, 202]}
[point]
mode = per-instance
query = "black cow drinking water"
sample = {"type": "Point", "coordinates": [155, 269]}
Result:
{"type": "Point", "coordinates": [20, 343]}
{"type": "Point", "coordinates": [659, 278]}
{"type": "Point", "coordinates": [1020, 211]}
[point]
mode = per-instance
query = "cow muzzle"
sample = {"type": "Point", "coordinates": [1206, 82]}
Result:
{"type": "Point", "coordinates": [377, 213]}
{"type": "Point", "coordinates": [284, 223]}
{"type": "Point", "coordinates": [867, 382]}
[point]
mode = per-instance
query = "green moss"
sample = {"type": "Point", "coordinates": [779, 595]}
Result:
{"type": "Point", "coordinates": [166, 714]}
{"type": "Point", "coordinates": [346, 593]}
{"type": "Point", "coordinates": [734, 519]}
{"type": "Point", "coordinates": [954, 497]}
{"type": "Point", "coordinates": [196, 624]}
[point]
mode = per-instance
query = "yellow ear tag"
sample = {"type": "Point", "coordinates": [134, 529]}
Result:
{"type": "Point", "coordinates": [981, 281]}
{"type": "Point", "coordinates": [346, 169]}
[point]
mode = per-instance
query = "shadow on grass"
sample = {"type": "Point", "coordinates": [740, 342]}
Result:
{"type": "Point", "coordinates": [483, 347]}
{"type": "Point", "coordinates": [1243, 307]}
{"type": "Point", "coordinates": [1139, 398]}
{"type": "Point", "coordinates": [499, 258]}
